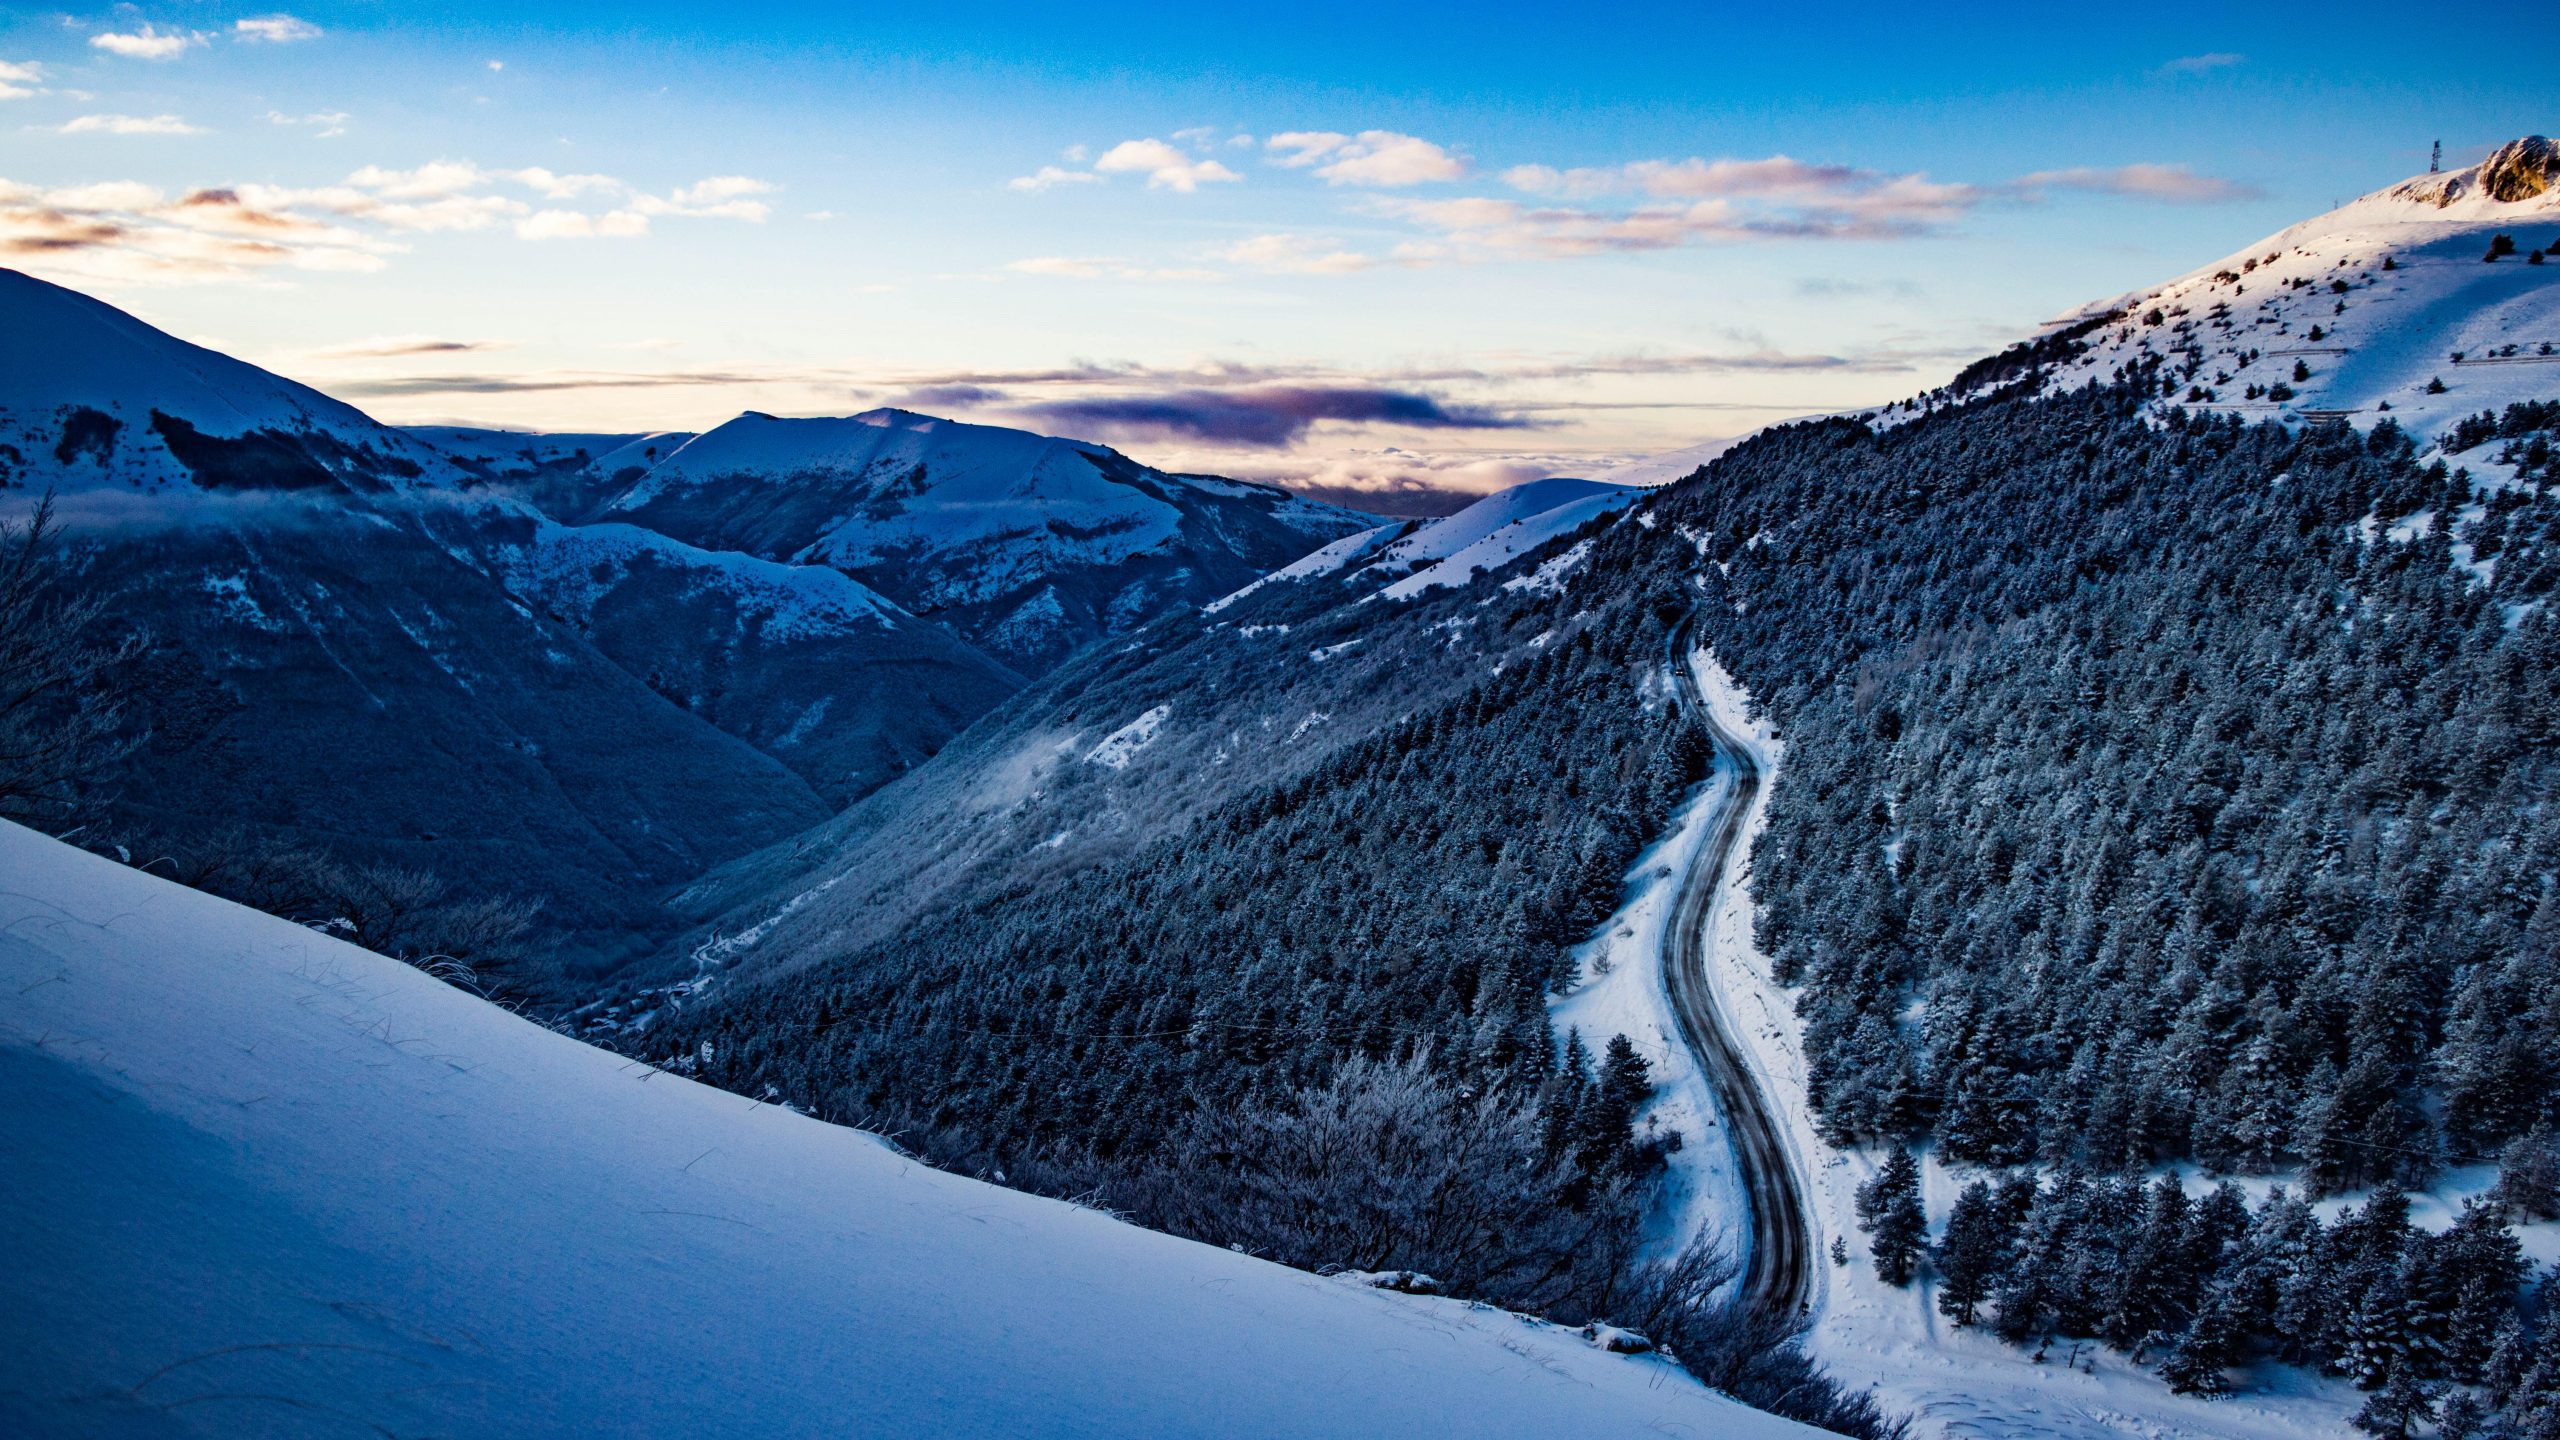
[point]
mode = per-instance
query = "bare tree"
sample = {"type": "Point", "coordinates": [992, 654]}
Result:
{"type": "Point", "coordinates": [59, 726]}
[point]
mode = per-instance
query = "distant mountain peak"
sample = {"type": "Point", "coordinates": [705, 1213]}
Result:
{"type": "Point", "coordinates": [92, 397]}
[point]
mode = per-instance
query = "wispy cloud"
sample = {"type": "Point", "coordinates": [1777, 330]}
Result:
{"type": "Point", "coordinates": [124, 232]}
{"type": "Point", "coordinates": [2174, 183]}
{"type": "Point", "coordinates": [1050, 176]}
{"type": "Point", "coordinates": [1382, 159]}
{"type": "Point", "coordinates": [397, 347]}
{"type": "Point", "coordinates": [324, 125]}
{"type": "Point", "coordinates": [1166, 167]}
{"type": "Point", "coordinates": [148, 42]}
{"type": "Point", "coordinates": [274, 30]}
{"type": "Point", "coordinates": [1297, 255]}
{"type": "Point", "coordinates": [20, 79]}
{"type": "Point", "coordinates": [2210, 61]}
{"type": "Point", "coordinates": [1265, 417]}
{"type": "Point", "coordinates": [1084, 267]}
{"type": "Point", "coordinates": [127, 125]}
{"type": "Point", "coordinates": [579, 225]}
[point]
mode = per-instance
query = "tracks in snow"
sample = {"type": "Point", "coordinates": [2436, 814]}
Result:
{"type": "Point", "coordinates": [1778, 1265]}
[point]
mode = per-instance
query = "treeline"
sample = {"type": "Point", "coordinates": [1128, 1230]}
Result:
{"type": "Point", "coordinates": [2435, 1324]}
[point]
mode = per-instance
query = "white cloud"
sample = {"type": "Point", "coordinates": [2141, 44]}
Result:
{"type": "Point", "coordinates": [1694, 178]}
{"type": "Point", "coordinates": [324, 124]}
{"type": "Point", "coordinates": [274, 30]}
{"type": "Point", "coordinates": [19, 79]}
{"type": "Point", "coordinates": [1165, 167]}
{"type": "Point", "coordinates": [1049, 175]}
{"type": "Point", "coordinates": [2174, 183]}
{"type": "Point", "coordinates": [438, 177]}
{"type": "Point", "coordinates": [148, 42]}
{"type": "Point", "coordinates": [127, 125]}
{"type": "Point", "coordinates": [1376, 158]}
{"type": "Point", "coordinates": [1297, 255]}
{"type": "Point", "coordinates": [721, 197]}
{"type": "Point", "coordinates": [1078, 267]}
{"type": "Point", "coordinates": [577, 225]}
{"type": "Point", "coordinates": [1298, 149]}
{"type": "Point", "coordinates": [564, 187]}
{"type": "Point", "coordinates": [720, 188]}
{"type": "Point", "coordinates": [2201, 64]}
{"type": "Point", "coordinates": [121, 232]}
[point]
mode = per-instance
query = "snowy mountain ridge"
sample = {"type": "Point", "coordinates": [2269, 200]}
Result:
{"type": "Point", "coordinates": [1028, 545]}
{"type": "Point", "coordinates": [92, 398]}
{"type": "Point", "coordinates": [2424, 301]}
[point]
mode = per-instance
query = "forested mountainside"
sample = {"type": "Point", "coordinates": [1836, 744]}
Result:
{"type": "Point", "coordinates": [2172, 791]}
{"type": "Point", "coordinates": [1398, 879]}
{"type": "Point", "coordinates": [2155, 789]}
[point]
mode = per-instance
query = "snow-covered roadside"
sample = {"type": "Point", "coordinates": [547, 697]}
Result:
{"type": "Point", "coordinates": [261, 1181]}
{"type": "Point", "coordinates": [1621, 992]}
{"type": "Point", "coordinates": [1955, 1383]}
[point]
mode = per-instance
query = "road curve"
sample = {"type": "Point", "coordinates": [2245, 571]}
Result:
{"type": "Point", "coordinates": [1777, 1272]}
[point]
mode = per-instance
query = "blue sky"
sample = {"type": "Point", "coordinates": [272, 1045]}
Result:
{"type": "Point", "coordinates": [1356, 245]}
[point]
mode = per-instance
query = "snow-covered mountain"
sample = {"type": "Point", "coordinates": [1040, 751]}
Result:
{"type": "Point", "coordinates": [2403, 303]}
{"type": "Point", "coordinates": [361, 647]}
{"type": "Point", "coordinates": [1027, 545]}
{"type": "Point", "coordinates": [263, 1182]}
{"type": "Point", "coordinates": [92, 398]}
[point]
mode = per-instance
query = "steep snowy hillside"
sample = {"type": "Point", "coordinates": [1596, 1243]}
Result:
{"type": "Point", "coordinates": [263, 1182]}
{"type": "Point", "coordinates": [1027, 546]}
{"type": "Point", "coordinates": [91, 398]}
{"type": "Point", "coordinates": [1454, 549]}
{"type": "Point", "coordinates": [2425, 301]}
{"type": "Point", "coordinates": [1668, 466]}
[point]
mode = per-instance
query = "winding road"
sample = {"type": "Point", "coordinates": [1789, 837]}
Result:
{"type": "Point", "coordinates": [1777, 1272]}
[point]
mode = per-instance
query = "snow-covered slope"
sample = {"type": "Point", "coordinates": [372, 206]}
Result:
{"type": "Point", "coordinates": [1493, 531]}
{"type": "Point", "coordinates": [262, 1182]}
{"type": "Point", "coordinates": [1668, 466]}
{"type": "Point", "coordinates": [92, 398]}
{"type": "Point", "coordinates": [2360, 312]}
{"type": "Point", "coordinates": [1407, 559]}
{"type": "Point", "coordinates": [1027, 545]}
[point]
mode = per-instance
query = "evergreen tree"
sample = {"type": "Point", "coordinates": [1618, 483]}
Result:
{"type": "Point", "coordinates": [1889, 1210]}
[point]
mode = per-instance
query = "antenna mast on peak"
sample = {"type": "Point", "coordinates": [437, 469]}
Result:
{"type": "Point", "coordinates": [2435, 161]}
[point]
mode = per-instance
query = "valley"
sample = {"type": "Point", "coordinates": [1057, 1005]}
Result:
{"type": "Point", "coordinates": [2027, 908]}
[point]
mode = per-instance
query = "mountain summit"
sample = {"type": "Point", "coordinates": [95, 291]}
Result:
{"type": "Point", "coordinates": [92, 398]}
{"type": "Point", "coordinates": [1028, 546]}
